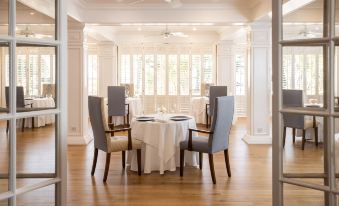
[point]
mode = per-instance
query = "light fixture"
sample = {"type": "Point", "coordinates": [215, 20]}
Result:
{"type": "Point", "coordinates": [292, 5]}
{"type": "Point", "coordinates": [31, 13]}
{"type": "Point", "coordinates": [194, 28]}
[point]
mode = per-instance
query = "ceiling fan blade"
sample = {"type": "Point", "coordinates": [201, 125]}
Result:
{"type": "Point", "coordinates": [174, 3]}
{"type": "Point", "coordinates": [135, 2]}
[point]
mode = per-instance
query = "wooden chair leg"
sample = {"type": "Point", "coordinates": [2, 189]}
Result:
{"type": "Point", "coordinates": [123, 159]}
{"type": "Point", "coordinates": [293, 131]}
{"type": "Point", "coordinates": [200, 160]}
{"type": "Point", "coordinates": [33, 123]}
{"type": "Point", "coordinates": [316, 136]}
{"type": "Point", "coordinates": [284, 136]}
{"type": "Point", "coordinates": [139, 161]}
{"type": "Point", "coordinates": [108, 160]}
{"type": "Point", "coordinates": [210, 157]}
{"type": "Point", "coordinates": [94, 161]}
{"type": "Point", "coordinates": [182, 159]}
{"type": "Point", "coordinates": [227, 161]}
{"type": "Point", "coordinates": [23, 125]}
{"type": "Point", "coordinates": [7, 127]}
{"type": "Point", "coordinates": [206, 120]}
{"type": "Point", "coordinates": [303, 140]}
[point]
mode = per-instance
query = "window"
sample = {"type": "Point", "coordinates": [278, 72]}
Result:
{"type": "Point", "coordinates": [196, 74]}
{"type": "Point", "coordinates": [166, 72]}
{"type": "Point", "coordinates": [240, 75]}
{"type": "Point", "coordinates": [92, 67]}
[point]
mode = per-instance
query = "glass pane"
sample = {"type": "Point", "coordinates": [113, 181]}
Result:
{"type": "Point", "coordinates": [35, 19]}
{"type": "Point", "coordinates": [41, 197]}
{"type": "Point", "coordinates": [302, 19]}
{"type": "Point", "coordinates": [184, 75]}
{"type": "Point", "coordinates": [4, 17]}
{"type": "Point", "coordinates": [4, 66]}
{"type": "Point", "coordinates": [36, 75]}
{"type": "Point", "coordinates": [172, 74]}
{"type": "Point", "coordinates": [149, 74]}
{"type": "Point", "coordinates": [309, 160]}
{"type": "Point", "coordinates": [137, 74]}
{"type": "Point", "coordinates": [36, 146]}
{"type": "Point", "coordinates": [299, 196]}
{"type": "Point", "coordinates": [336, 79]}
{"type": "Point", "coordinates": [336, 142]}
{"type": "Point", "coordinates": [161, 74]}
{"type": "Point", "coordinates": [4, 156]}
{"type": "Point", "coordinates": [196, 74]}
{"type": "Point", "coordinates": [303, 71]}
{"type": "Point", "coordinates": [337, 18]}
{"type": "Point", "coordinates": [3, 202]}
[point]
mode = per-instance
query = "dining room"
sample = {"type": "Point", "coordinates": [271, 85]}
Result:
{"type": "Point", "coordinates": [169, 102]}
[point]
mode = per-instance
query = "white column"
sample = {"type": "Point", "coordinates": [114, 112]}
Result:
{"type": "Point", "coordinates": [78, 122]}
{"type": "Point", "coordinates": [108, 72]}
{"type": "Point", "coordinates": [259, 93]}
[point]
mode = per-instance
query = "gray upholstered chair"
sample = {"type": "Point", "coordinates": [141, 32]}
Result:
{"type": "Point", "coordinates": [218, 136]}
{"type": "Point", "coordinates": [294, 98]}
{"type": "Point", "coordinates": [103, 139]}
{"type": "Point", "coordinates": [20, 103]}
{"type": "Point", "coordinates": [117, 103]}
{"type": "Point", "coordinates": [215, 91]}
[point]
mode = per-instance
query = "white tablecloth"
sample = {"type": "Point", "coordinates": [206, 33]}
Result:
{"type": "Point", "coordinates": [135, 108]}
{"type": "Point", "coordinates": [161, 141]}
{"type": "Point", "coordinates": [198, 109]}
{"type": "Point", "coordinates": [40, 121]}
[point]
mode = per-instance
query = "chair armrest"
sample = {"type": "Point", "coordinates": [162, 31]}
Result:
{"type": "Point", "coordinates": [201, 131]}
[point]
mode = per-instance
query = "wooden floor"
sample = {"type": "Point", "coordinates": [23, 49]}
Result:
{"type": "Point", "coordinates": [250, 183]}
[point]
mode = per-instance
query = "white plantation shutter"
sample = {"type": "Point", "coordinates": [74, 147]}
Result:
{"type": "Point", "coordinates": [92, 74]}
{"type": "Point", "coordinates": [287, 72]}
{"type": "Point", "coordinates": [46, 72]}
{"type": "Point", "coordinates": [320, 75]}
{"type": "Point", "coordinates": [125, 71]}
{"type": "Point", "coordinates": [22, 71]}
{"type": "Point", "coordinates": [311, 74]}
{"type": "Point", "coordinates": [149, 75]}
{"type": "Point", "coordinates": [207, 67]}
{"type": "Point", "coordinates": [34, 79]}
{"type": "Point", "coordinates": [240, 84]}
{"type": "Point", "coordinates": [196, 74]}
{"type": "Point", "coordinates": [299, 72]}
{"type": "Point", "coordinates": [7, 70]}
{"type": "Point", "coordinates": [161, 74]}
{"type": "Point", "coordinates": [137, 74]}
{"type": "Point", "coordinates": [172, 74]}
{"type": "Point", "coordinates": [184, 75]}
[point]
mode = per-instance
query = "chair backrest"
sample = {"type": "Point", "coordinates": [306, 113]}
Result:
{"type": "Point", "coordinates": [116, 101]}
{"type": "Point", "coordinates": [216, 91]}
{"type": "Point", "coordinates": [293, 98]}
{"type": "Point", "coordinates": [98, 122]}
{"type": "Point", "coordinates": [20, 96]}
{"type": "Point", "coordinates": [221, 123]}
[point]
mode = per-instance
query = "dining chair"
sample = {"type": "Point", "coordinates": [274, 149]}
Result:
{"type": "Point", "coordinates": [217, 140]}
{"type": "Point", "coordinates": [103, 140]}
{"type": "Point", "coordinates": [117, 104]}
{"type": "Point", "coordinates": [294, 98]}
{"type": "Point", "coordinates": [215, 91]}
{"type": "Point", "coordinates": [20, 103]}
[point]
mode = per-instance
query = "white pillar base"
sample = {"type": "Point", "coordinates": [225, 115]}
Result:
{"type": "Point", "coordinates": [257, 139]}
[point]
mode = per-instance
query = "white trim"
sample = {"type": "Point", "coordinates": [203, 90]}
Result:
{"type": "Point", "coordinates": [257, 139]}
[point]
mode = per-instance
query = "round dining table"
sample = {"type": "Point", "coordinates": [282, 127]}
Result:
{"type": "Point", "coordinates": [161, 138]}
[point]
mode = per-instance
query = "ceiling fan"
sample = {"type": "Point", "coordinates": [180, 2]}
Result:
{"type": "Point", "coordinates": [172, 3]}
{"type": "Point", "coordinates": [167, 33]}
{"type": "Point", "coordinates": [307, 32]}
{"type": "Point", "coordinates": [27, 32]}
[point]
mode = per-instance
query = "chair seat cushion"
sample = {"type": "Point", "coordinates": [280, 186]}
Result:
{"type": "Point", "coordinates": [309, 124]}
{"type": "Point", "coordinates": [120, 143]}
{"type": "Point", "coordinates": [199, 144]}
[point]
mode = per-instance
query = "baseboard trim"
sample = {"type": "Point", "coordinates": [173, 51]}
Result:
{"type": "Point", "coordinates": [257, 139]}
{"type": "Point", "coordinates": [79, 140]}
